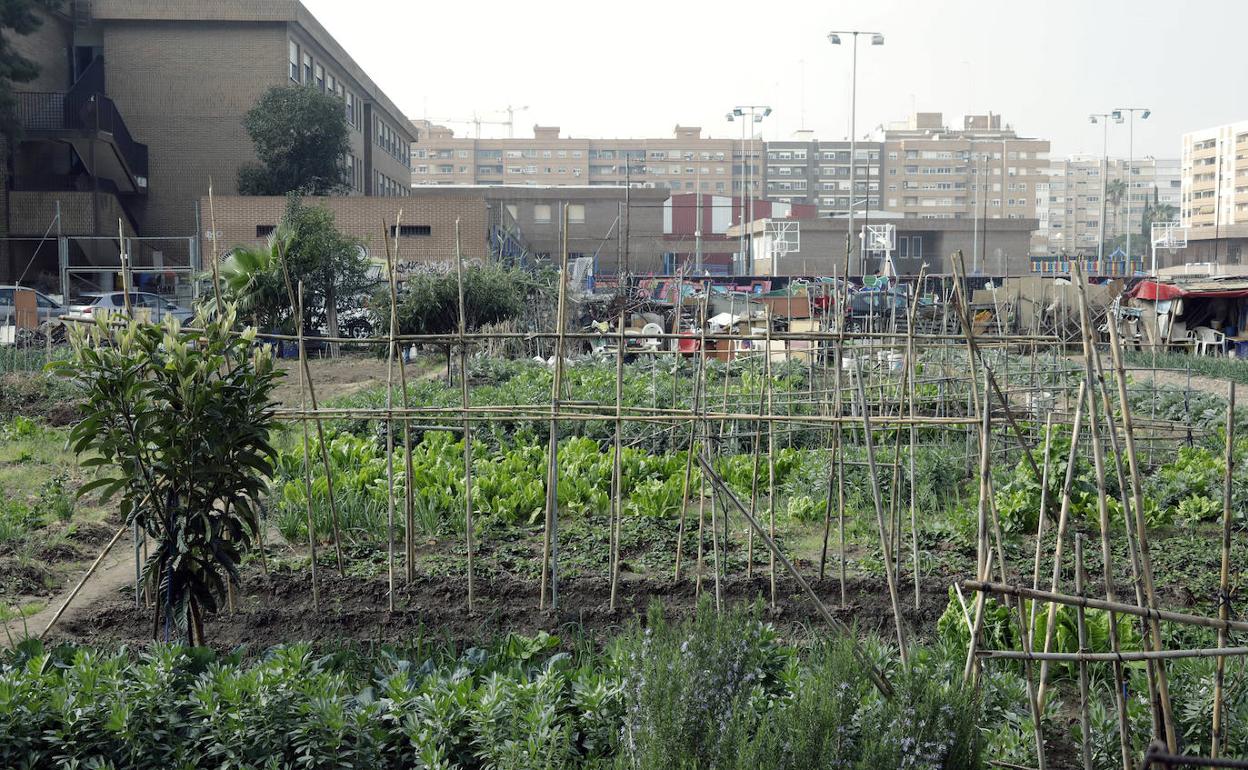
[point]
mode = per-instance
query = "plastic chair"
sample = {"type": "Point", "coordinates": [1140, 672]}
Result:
{"type": "Point", "coordinates": [1209, 341]}
{"type": "Point", "coordinates": [1180, 336]}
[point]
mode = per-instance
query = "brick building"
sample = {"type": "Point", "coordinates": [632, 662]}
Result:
{"type": "Point", "coordinates": [141, 103]}
{"type": "Point", "coordinates": [519, 222]}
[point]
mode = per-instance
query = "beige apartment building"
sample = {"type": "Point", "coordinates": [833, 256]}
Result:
{"type": "Point", "coordinates": [685, 162]}
{"type": "Point", "coordinates": [1070, 215]}
{"type": "Point", "coordinates": [1215, 178]}
{"type": "Point", "coordinates": [982, 170]}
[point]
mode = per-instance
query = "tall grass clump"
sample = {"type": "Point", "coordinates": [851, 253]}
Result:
{"type": "Point", "coordinates": [722, 691]}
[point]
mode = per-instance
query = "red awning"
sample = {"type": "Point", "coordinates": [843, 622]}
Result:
{"type": "Point", "coordinates": [1156, 291]}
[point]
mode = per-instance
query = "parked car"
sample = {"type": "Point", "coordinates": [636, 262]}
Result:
{"type": "Point", "coordinates": [47, 308]}
{"type": "Point", "coordinates": [154, 305]}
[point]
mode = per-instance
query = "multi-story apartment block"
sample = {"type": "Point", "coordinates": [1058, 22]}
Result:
{"type": "Point", "coordinates": [165, 86]}
{"type": "Point", "coordinates": [685, 162]}
{"type": "Point", "coordinates": [984, 169]}
{"type": "Point", "coordinates": [1072, 219]}
{"type": "Point", "coordinates": [808, 171]}
{"type": "Point", "coordinates": [1214, 183]}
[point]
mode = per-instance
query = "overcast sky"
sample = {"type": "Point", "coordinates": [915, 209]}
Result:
{"type": "Point", "coordinates": [638, 68]}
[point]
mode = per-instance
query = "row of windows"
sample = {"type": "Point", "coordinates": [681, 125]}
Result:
{"type": "Point", "coordinates": [313, 74]}
{"type": "Point", "coordinates": [387, 187]}
{"type": "Point", "coordinates": [389, 140]}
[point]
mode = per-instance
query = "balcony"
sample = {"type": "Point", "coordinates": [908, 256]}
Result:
{"type": "Point", "coordinates": [81, 117]}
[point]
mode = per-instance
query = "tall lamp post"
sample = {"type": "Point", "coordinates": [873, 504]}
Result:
{"type": "Point", "coordinates": [755, 114]}
{"type": "Point", "coordinates": [834, 37]}
{"type": "Point", "coordinates": [1144, 113]}
{"type": "Point", "coordinates": [1103, 118]}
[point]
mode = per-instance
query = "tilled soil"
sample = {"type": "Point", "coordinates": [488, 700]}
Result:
{"type": "Point", "coordinates": [279, 608]}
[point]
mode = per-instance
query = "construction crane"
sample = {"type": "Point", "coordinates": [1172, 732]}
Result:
{"type": "Point", "coordinates": [476, 121]}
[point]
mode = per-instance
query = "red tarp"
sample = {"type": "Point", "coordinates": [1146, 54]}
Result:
{"type": "Point", "coordinates": [1160, 292]}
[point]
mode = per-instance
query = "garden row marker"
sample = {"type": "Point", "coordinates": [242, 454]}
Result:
{"type": "Point", "coordinates": [1224, 581]}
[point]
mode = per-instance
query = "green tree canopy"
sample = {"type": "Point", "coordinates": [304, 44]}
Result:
{"type": "Point", "coordinates": [429, 300]}
{"type": "Point", "coordinates": [300, 135]}
{"type": "Point", "coordinates": [21, 17]}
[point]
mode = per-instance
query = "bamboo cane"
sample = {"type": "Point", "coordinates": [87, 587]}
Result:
{"type": "Point", "coordinates": [465, 402]}
{"type": "Point", "coordinates": [1102, 509]}
{"type": "Point", "coordinates": [1085, 720]}
{"type": "Point", "coordinates": [879, 515]}
{"type": "Point", "coordinates": [1104, 604]}
{"type": "Point", "coordinates": [409, 471]}
{"type": "Point", "coordinates": [390, 351]}
{"type": "Point", "coordinates": [550, 536]}
{"type": "Point", "coordinates": [1224, 581]}
{"type": "Point", "coordinates": [307, 467]}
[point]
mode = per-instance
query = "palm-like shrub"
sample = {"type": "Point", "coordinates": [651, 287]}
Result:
{"type": "Point", "coordinates": [178, 423]}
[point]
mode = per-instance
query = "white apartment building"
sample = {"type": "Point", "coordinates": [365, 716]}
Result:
{"type": "Point", "coordinates": [1215, 178]}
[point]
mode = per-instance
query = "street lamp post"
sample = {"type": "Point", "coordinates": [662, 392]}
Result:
{"type": "Point", "coordinates": [834, 37]}
{"type": "Point", "coordinates": [1103, 118]}
{"type": "Point", "coordinates": [756, 113]}
{"type": "Point", "coordinates": [1144, 113]}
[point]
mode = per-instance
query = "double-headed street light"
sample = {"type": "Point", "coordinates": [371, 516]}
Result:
{"type": "Point", "coordinates": [1118, 116]}
{"type": "Point", "coordinates": [756, 113]}
{"type": "Point", "coordinates": [834, 37]}
{"type": "Point", "coordinates": [1103, 119]}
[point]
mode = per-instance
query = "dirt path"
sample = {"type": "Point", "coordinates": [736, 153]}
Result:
{"type": "Point", "coordinates": [1170, 378]}
{"type": "Point", "coordinates": [278, 608]}
{"type": "Point", "coordinates": [114, 574]}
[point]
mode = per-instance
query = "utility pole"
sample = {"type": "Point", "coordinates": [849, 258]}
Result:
{"type": "Point", "coordinates": [1117, 114]}
{"type": "Point", "coordinates": [834, 37]}
{"type": "Point", "coordinates": [756, 114]}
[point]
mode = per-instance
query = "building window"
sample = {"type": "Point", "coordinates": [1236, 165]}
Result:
{"type": "Point", "coordinates": [350, 109]}
{"type": "Point", "coordinates": [307, 69]}
{"type": "Point", "coordinates": [320, 77]}
{"type": "Point", "coordinates": [264, 231]}
{"type": "Point", "coordinates": [330, 84]}
{"type": "Point", "coordinates": [541, 213]}
{"type": "Point", "coordinates": [294, 61]}
{"type": "Point", "coordinates": [408, 231]}
{"type": "Point", "coordinates": [576, 213]}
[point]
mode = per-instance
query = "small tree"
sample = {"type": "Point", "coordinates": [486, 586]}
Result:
{"type": "Point", "coordinates": [178, 423]}
{"type": "Point", "coordinates": [333, 267]}
{"type": "Point", "coordinates": [300, 135]}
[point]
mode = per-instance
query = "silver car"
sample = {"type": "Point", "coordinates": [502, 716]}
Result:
{"type": "Point", "coordinates": [47, 308]}
{"type": "Point", "coordinates": [153, 306]}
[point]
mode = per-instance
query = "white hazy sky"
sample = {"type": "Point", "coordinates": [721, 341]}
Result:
{"type": "Point", "coordinates": [639, 67]}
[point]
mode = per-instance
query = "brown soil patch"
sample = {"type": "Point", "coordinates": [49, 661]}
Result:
{"type": "Point", "coordinates": [332, 377]}
{"type": "Point", "coordinates": [279, 609]}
